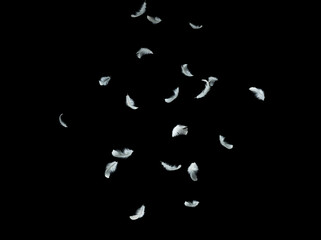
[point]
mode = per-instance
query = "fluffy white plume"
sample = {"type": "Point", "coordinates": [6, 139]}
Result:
{"type": "Point", "coordinates": [169, 167]}
{"type": "Point", "coordinates": [141, 11]}
{"type": "Point", "coordinates": [212, 80]}
{"type": "Point", "coordinates": [185, 71]}
{"type": "Point", "coordinates": [110, 168]}
{"type": "Point", "coordinates": [143, 51]}
{"type": "Point", "coordinates": [195, 26]}
{"type": "Point", "coordinates": [154, 20]}
{"type": "Point", "coordinates": [205, 90]}
{"type": "Point", "coordinates": [125, 153]}
{"type": "Point", "coordinates": [62, 122]}
{"type": "Point", "coordinates": [139, 213]}
{"type": "Point", "coordinates": [130, 102]}
{"type": "Point", "coordinates": [179, 130]}
{"type": "Point", "coordinates": [173, 97]}
{"type": "Point", "coordinates": [258, 93]}
{"type": "Point", "coordinates": [104, 81]}
{"type": "Point", "coordinates": [225, 144]}
{"type": "Point", "coordinates": [192, 170]}
{"type": "Point", "coordinates": [191, 204]}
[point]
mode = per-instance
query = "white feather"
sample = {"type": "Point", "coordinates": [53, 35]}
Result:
{"type": "Point", "coordinates": [110, 168]}
{"type": "Point", "coordinates": [195, 26]}
{"type": "Point", "coordinates": [141, 11]}
{"type": "Point", "coordinates": [125, 153]}
{"type": "Point", "coordinates": [192, 170]}
{"type": "Point", "coordinates": [130, 102]}
{"type": "Point", "coordinates": [205, 90]}
{"type": "Point", "coordinates": [154, 20]}
{"type": "Point", "coordinates": [179, 130]}
{"type": "Point", "coordinates": [104, 81]}
{"type": "Point", "coordinates": [139, 213]}
{"type": "Point", "coordinates": [143, 51]}
{"type": "Point", "coordinates": [225, 144]}
{"type": "Point", "coordinates": [185, 71]}
{"type": "Point", "coordinates": [173, 97]}
{"type": "Point", "coordinates": [62, 122]}
{"type": "Point", "coordinates": [191, 204]}
{"type": "Point", "coordinates": [212, 80]}
{"type": "Point", "coordinates": [258, 93]}
{"type": "Point", "coordinates": [170, 167]}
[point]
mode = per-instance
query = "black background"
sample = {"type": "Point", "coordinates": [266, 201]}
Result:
{"type": "Point", "coordinates": [239, 190]}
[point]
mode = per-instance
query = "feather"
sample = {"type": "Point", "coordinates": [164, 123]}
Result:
{"type": "Point", "coordinates": [125, 153]}
{"type": "Point", "coordinates": [62, 122]}
{"type": "Point", "coordinates": [130, 102]}
{"type": "Point", "coordinates": [104, 81]}
{"type": "Point", "coordinates": [194, 26]}
{"type": "Point", "coordinates": [225, 144]}
{"type": "Point", "coordinates": [258, 93]}
{"type": "Point", "coordinates": [191, 204]}
{"type": "Point", "coordinates": [139, 213]}
{"type": "Point", "coordinates": [185, 71]}
{"type": "Point", "coordinates": [169, 167]}
{"type": "Point", "coordinates": [154, 20]}
{"type": "Point", "coordinates": [179, 130]}
{"type": "Point", "coordinates": [110, 168]}
{"type": "Point", "coordinates": [192, 170]}
{"type": "Point", "coordinates": [205, 90]}
{"type": "Point", "coordinates": [140, 12]}
{"type": "Point", "coordinates": [212, 80]}
{"type": "Point", "coordinates": [173, 97]}
{"type": "Point", "coordinates": [143, 51]}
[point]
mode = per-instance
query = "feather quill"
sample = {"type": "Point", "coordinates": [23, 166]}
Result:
{"type": "Point", "coordinates": [179, 130]}
{"type": "Point", "coordinates": [130, 102]}
{"type": "Point", "coordinates": [170, 167]}
{"type": "Point", "coordinates": [143, 51]}
{"type": "Point", "coordinates": [185, 71]}
{"type": "Point", "coordinates": [110, 168]}
{"type": "Point", "coordinates": [154, 20]}
{"type": "Point", "coordinates": [192, 170]}
{"type": "Point", "coordinates": [104, 81]}
{"type": "Point", "coordinates": [139, 213]}
{"type": "Point", "coordinates": [259, 93]}
{"type": "Point", "coordinates": [125, 153]}
{"type": "Point", "coordinates": [205, 90]}
{"type": "Point", "coordinates": [191, 204]}
{"type": "Point", "coordinates": [140, 12]}
{"type": "Point", "coordinates": [225, 144]}
{"type": "Point", "coordinates": [173, 97]}
{"type": "Point", "coordinates": [62, 122]}
{"type": "Point", "coordinates": [195, 26]}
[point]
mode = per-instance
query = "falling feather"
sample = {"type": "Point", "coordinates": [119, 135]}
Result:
{"type": "Point", "coordinates": [125, 153]}
{"type": "Point", "coordinates": [154, 20]}
{"type": "Point", "coordinates": [191, 204]}
{"type": "Point", "coordinates": [170, 167]}
{"type": "Point", "coordinates": [212, 80]}
{"type": "Point", "coordinates": [205, 90]}
{"type": "Point", "coordinates": [110, 168]}
{"type": "Point", "coordinates": [143, 51]}
{"type": "Point", "coordinates": [130, 102]}
{"type": "Point", "coordinates": [258, 93]}
{"type": "Point", "coordinates": [192, 170]}
{"type": "Point", "coordinates": [104, 81]}
{"type": "Point", "coordinates": [185, 71]}
{"type": "Point", "coordinates": [225, 144]}
{"type": "Point", "coordinates": [173, 97]}
{"type": "Point", "coordinates": [179, 130]}
{"type": "Point", "coordinates": [62, 122]}
{"type": "Point", "coordinates": [139, 213]}
{"type": "Point", "coordinates": [195, 26]}
{"type": "Point", "coordinates": [141, 11]}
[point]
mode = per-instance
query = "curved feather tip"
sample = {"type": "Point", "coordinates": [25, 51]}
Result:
{"type": "Point", "coordinates": [192, 170]}
{"type": "Point", "coordinates": [139, 213]}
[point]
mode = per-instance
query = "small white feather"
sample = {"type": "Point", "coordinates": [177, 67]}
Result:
{"type": "Point", "coordinates": [170, 167]}
{"type": "Point", "coordinates": [192, 170]}
{"type": "Point", "coordinates": [225, 144]}
{"type": "Point", "coordinates": [130, 102]}
{"type": "Point", "coordinates": [191, 204]}
{"type": "Point", "coordinates": [259, 93]}
{"type": "Point", "coordinates": [179, 130]}
{"type": "Point", "coordinates": [143, 51]}
{"type": "Point", "coordinates": [212, 80]}
{"type": "Point", "coordinates": [185, 71]}
{"type": "Point", "coordinates": [125, 153]}
{"type": "Point", "coordinates": [110, 168]}
{"type": "Point", "coordinates": [104, 81]}
{"type": "Point", "coordinates": [140, 12]}
{"type": "Point", "coordinates": [173, 97]}
{"type": "Point", "coordinates": [139, 213]}
{"type": "Point", "coordinates": [205, 90]}
{"type": "Point", "coordinates": [154, 20]}
{"type": "Point", "coordinates": [62, 122]}
{"type": "Point", "coordinates": [195, 26]}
